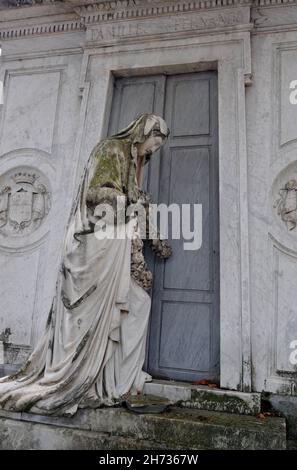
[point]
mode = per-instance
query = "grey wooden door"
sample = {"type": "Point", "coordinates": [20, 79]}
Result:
{"type": "Point", "coordinates": [183, 340]}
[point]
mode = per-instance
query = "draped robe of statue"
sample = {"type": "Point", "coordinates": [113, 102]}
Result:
{"type": "Point", "coordinates": [93, 347]}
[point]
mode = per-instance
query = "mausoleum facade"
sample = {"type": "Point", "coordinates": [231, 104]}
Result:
{"type": "Point", "coordinates": [223, 74]}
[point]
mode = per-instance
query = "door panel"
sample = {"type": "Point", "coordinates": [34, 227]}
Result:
{"type": "Point", "coordinates": [182, 351]}
{"type": "Point", "coordinates": [189, 96]}
{"type": "Point", "coordinates": [183, 340]}
{"type": "Point", "coordinates": [188, 183]}
{"type": "Point", "coordinates": [133, 97]}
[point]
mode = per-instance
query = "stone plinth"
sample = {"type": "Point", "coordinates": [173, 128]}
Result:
{"type": "Point", "coordinates": [116, 428]}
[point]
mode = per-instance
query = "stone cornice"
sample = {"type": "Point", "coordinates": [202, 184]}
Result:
{"type": "Point", "coordinates": [22, 3]}
{"type": "Point", "coordinates": [273, 3]}
{"type": "Point", "coordinates": [22, 31]}
{"type": "Point", "coordinates": [44, 17]}
{"type": "Point", "coordinates": [78, 14]}
{"type": "Point", "coordinates": [129, 9]}
{"type": "Point", "coordinates": [86, 7]}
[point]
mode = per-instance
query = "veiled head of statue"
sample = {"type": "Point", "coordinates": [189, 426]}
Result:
{"type": "Point", "coordinates": [146, 134]}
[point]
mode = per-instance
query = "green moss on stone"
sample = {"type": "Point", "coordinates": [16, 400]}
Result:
{"type": "Point", "coordinates": [214, 401]}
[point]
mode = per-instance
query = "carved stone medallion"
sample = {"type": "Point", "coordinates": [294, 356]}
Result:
{"type": "Point", "coordinates": [24, 201]}
{"type": "Point", "coordinates": [287, 204]}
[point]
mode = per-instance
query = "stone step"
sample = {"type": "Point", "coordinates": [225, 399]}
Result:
{"type": "Point", "coordinates": [117, 428]}
{"type": "Point", "coordinates": [202, 397]}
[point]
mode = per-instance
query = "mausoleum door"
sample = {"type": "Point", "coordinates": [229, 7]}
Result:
{"type": "Point", "coordinates": [183, 340]}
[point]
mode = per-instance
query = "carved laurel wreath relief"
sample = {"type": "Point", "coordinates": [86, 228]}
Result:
{"type": "Point", "coordinates": [25, 201]}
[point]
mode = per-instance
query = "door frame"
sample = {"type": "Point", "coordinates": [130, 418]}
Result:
{"type": "Point", "coordinates": [161, 105]}
{"type": "Point", "coordinates": [229, 54]}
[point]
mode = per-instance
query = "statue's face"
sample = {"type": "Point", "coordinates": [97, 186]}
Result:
{"type": "Point", "coordinates": [150, 145]}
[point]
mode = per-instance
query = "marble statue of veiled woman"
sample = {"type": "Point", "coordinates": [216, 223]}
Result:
{"type": "Point", "coordinates": [93, 348]}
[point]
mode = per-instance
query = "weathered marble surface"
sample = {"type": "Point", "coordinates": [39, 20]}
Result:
{"type": "Point", "coordinates": [75, 117]}
{"type": "Point", "coordinates": [257, 141]}
{"type": "Point", "coordinates": [19, 3]}
{"type": "Point", "coordinates": [204, 398]}
{"type": "Point", "coordinates": [92, 350]}
{"type": "Point", "coordinates": [271, 165]}
{"type": "Point", "coordinates": [119, 429]}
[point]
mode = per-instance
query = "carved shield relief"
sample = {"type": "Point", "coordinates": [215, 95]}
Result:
{"type": "Point", "coordinates": [24, 201]}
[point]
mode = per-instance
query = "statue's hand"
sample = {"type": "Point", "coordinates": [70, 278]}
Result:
{"type": "Point", "coordinates": [160, 247]}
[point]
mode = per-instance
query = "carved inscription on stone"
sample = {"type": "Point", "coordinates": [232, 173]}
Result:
{"type": "Point", "coordinates": [164, 25]}
{"type": "Point", "coordinates": [24, 201]}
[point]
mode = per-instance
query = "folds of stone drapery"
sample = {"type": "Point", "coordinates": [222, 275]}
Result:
{"type": "Point", "coordinates": [91, 350]}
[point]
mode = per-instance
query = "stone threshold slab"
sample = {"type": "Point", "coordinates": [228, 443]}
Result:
{"type": "Point", "coordinates": [205, 398]}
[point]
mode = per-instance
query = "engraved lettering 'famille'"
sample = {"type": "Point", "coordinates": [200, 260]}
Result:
{"type": "Point", "coordinates": [164, 25]}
